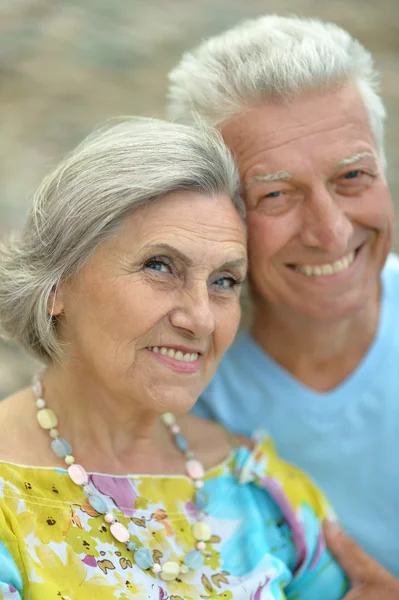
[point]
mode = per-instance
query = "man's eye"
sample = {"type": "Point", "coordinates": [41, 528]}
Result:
{"type": "Point", "coordinates": [226, 282]}
{"type": "Point", "coordinates": [273, 195]}
{"type": "Point", "coordinates": [352, 174]}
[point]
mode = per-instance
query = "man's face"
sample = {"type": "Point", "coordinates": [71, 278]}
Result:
{"type": "Point", "coordinates": [320, 216]}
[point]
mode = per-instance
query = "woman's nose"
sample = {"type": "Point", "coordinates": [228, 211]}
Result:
{"type": "Point", "coordinates": [194, 313]}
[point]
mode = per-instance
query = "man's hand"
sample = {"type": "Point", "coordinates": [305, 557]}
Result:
{"type": "Point", "coordinates": [369, 581]}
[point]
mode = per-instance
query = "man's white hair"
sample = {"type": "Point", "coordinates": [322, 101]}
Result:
{"type": "Point", "coordinates": [272, 57]}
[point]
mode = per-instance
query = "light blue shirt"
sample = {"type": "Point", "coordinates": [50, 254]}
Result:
{"type": "Point", "coordinates": [347, 439]}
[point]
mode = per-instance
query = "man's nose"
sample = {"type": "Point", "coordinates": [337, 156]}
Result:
{"type": "Point", "coordinates": [325, 224]}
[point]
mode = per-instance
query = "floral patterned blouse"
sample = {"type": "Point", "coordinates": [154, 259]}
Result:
{"type": "Point", "coordinates": [265, 517]}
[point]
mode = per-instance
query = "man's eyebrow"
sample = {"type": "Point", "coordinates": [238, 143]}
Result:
{"type": "Point", "coordinates": [355, 158]}
{"type": "Point", "coordinates": [279, 176]}
{"type": "Point", "coordinates": [231, 264]}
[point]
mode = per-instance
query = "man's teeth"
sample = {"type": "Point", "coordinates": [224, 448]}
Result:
{"type": "Point", "coordinates": [329, 268]}
{"type": "Point", "coordinates": [176, 354]}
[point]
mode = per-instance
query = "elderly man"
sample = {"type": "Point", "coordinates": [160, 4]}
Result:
{"type": "Point", "coordinates": [296, 101]}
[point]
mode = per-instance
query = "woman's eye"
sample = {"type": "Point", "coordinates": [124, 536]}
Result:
{"type": "Point", "coordinates": [273, 195]}
{"type": "Point", "coordinates": [352, 174]}
{"type": "Point", "coordinates": [158, 265]}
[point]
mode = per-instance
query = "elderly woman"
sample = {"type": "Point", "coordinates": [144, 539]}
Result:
{"type": "Point", "coordinates": [126, 285]}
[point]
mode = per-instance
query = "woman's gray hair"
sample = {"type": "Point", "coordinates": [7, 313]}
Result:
{"type": "Point", "coordinates": [127, 163]}
{"type": "Point", "coordinates": [272, 57]}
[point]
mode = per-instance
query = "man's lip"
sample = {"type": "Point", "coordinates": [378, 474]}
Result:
{"type": "Point", "coordinates": [184, 349]}
{"type": "Point", "coordinates": [318, 264]}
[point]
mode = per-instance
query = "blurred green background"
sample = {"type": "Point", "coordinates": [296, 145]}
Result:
{"type": "Point", "coordinates": [66, 65]}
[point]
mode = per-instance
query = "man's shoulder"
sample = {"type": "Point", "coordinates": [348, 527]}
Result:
{"type": "Point", "coordinates": [391, 268]}
{"type": "Point", "coordinates": [390, 286]}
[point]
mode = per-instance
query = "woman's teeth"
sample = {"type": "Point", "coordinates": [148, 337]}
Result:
{"type": "Point", "coordinates": [329, 268]}
{"type": "Point", "coordinates": [176, 354]}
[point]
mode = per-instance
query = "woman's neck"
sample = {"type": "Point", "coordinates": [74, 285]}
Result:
{"type": "Point", "coordinates": [108, 434]}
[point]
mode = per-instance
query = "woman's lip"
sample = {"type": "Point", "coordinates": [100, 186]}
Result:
{"type": "Point", "coordinates": [178, 366]}
{"type": "Point", "coordinates": [183, 349]}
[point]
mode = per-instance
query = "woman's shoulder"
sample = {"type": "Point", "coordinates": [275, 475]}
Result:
{"type": "Point", "coordinates": [209, 440]}
{"type": "Point", "coordinates": [20, 440]}
{"type": "Point", "coordinates": [259, 461]}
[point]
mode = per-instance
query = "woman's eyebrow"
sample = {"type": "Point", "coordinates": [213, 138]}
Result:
{"type": "Point", "coordinates": [171, 250]}
{"type": "Point", "coordinates": [230, 264]}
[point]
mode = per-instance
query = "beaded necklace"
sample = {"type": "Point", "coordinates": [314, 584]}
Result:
{"type": "Point", "coordinates": [143, 557]}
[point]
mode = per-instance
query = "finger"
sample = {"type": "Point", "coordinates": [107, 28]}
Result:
{"type": "Point", "coordinates": [358, 566]}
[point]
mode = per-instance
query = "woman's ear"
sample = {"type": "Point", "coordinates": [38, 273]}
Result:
{"type": "Point", "coordinates": [55, 304]}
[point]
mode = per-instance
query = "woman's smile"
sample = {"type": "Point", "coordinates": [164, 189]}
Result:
{"type": "Point", "coordinates": [179, 359]}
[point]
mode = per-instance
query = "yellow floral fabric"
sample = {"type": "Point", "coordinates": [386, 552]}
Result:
{"type": "Point", "coordinates": [265, 517]}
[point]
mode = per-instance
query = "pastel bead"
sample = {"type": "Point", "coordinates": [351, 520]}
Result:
{"type": "Point", "coordinates": [202, 532]}
{"type": "Point", "coordinates": [199, 484]}
{"type": "Point", "coordinates": [200, 499]}
{"type": "Point", "coordinates": [175, 429]}
{"type": "Point", "coordinates": [131, 545]}
{"type": "Point", "coordinates": [195, 469]}
{"type": "Point", "coordinates": [37, 388]}
{"type": "Point", "coordinates": [156, 568]}
{"type": "Point", "coordinates": [109, 518]}
{"type": "Point", "coordinates": [181, 442]}
{"type": "Point", "coordinates": [47, 418]}
{"type": "Point", "coordinates": [194, 559]}
{"type": "Point", "coordinates": [61, 447]}
{"type": "Point", "coordinates": [120, 532]}
{"type": "Point", "coordinates": [69, 460]}
{"type": "Point", "coordinates": [78, 474]}
{"type": "Point", "coordinates": [170, 570]}
{"type": "Point", "coordinates": [201, 546]}
{"type": "Point", "coordinates": [143, 558]}
{"type": "Point", "coordinates": [40, 403]}
{"type": "Point", "coordinates": [54, 433]}
{"type": "Point", "coordinates": [98, 504]}
{"type": "Point", "coordinates": [169, 419]}
{"type": "Point", "coordinates": [184, 569]}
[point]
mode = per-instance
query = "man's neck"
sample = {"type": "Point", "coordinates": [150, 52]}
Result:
{"type": "Point", "coordinates": [320, 355]}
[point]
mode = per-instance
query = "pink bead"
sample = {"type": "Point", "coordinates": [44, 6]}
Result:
{"type": "Point", "coordinates": [78, 474]}
{"type": "Point", "coordinates": [120, 532]}
{"type": "Point", "coordinates": [195, 469]}
{"type": "Point", "coordinates": [109, 518]}
{"type": "Point", "coordinates": [175, 429]}
{"type": "Point", "coordinates": [201, 546]}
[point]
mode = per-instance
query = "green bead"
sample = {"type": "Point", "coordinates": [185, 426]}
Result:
{"type": "Point", "coordinates": [47, 418]}
{"type": "Point", "coordinates": [170, 570]}
{"type": "Point", "coordinates": [202, 532]}
{"type": "Point", "coordinates": [169, 419]}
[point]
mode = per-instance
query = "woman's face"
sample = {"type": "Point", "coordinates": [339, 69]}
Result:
{"type": "Point", "coordinates": [151, 313]}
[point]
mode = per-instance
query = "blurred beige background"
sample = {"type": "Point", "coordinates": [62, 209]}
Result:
{"type": "Point", "coordinates": [65, 65]}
